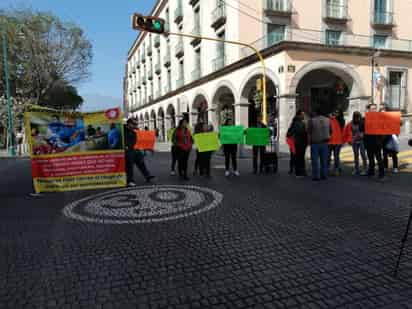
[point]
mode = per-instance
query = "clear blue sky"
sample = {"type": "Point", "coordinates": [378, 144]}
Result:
{"type": "Point", "coordinates": [107, 25]}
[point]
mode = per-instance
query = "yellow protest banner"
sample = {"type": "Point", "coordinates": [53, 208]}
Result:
{"type": "Point", "coordinates": [76, 151]}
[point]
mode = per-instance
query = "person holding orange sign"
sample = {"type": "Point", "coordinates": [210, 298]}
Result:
{"type": "Point", "coordinates": [373, 143]}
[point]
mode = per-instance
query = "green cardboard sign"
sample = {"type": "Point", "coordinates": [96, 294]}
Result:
{"type": "Point", "coordinates": [231, 135]}
{"type": "Point", "coordinates": [257, 136]}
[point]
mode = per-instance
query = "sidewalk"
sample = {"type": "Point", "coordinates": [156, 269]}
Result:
{"type": "Point", "coordinates": [4, 154]}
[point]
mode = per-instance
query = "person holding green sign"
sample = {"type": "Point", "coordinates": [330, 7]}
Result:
{"type": "Point", "coordinates": [258, 151]}
{"type": "Point", "coordinates": [230, 151]}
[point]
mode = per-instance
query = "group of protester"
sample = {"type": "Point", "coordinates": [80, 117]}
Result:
{"type": "Point", "coordinates": [327, 134]}
{"type": "Point", "coordinates": [182, 144]}
{"type": "Point", "coordinates": [324, 134]}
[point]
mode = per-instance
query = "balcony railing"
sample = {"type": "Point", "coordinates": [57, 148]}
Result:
{"type": "Point", "coordinates": [219, 16]}
{"type": "Point", "coordinates": [278, 7]}
{"type": "Point", "coordinates": [218, 63]}
{"type": "Point", "coordinates": [336, 13]}
{"type": "Point", "coordinates": [178, 14]}
{"type": "Point", "coordinates": [196, 74]}
{"type": "Point", "coordinates": [157, 94]}
{"type": "Point", "coordinates": [179, 49]}
{"type": "Point", "coordinates": [318, 37]}
{"type": "Point", "coordinates": [180, 82]}
{"type": "Point", "coordinates": [157, 41]}
{"type": "Point", "coordinates": [383, 19]}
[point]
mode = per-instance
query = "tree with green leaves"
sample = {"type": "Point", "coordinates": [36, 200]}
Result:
{"type": "Point", "coordinates": [47, 57]}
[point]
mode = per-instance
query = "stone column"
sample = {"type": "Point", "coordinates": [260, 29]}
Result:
{"type": "Point", "coordinates": [193, 118]}
{"type": "Point", "coordinates": [211, 115]}
{"type": "Point", "coordinates": [287, 110]}
{"type": "Point", "coordinates": [242, 113]}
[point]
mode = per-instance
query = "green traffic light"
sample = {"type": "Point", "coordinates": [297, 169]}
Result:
{"type": "Point", "coordinates": [157, 25]}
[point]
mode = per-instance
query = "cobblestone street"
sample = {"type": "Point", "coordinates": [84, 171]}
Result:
{"type": "Point", "coordinates": [265, 241]}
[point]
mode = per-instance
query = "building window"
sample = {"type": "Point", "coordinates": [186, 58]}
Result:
{"type": "Point", "coordinates": [277, 5]}
{"type": "Point", "coordinates": [276, 33]}
{"type": "Point", "coordinates": [333, 37]}
{"type": "Point", "coordinates": [336, 9]}
{"type": "Point", "coordinates": [380, 41]}
{"type": "Point", "coordinates": [396, 90]}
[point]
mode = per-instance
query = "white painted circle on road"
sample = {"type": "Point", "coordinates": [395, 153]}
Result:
{"type": "Point", "coordinates": [143, 204]}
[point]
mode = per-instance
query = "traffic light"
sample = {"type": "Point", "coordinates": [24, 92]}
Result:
{"type": "Point", "coordinates": [148, 23]}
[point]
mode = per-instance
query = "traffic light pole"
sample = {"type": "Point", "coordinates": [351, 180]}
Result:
{"type": "Point", "coordinates": [259, 55]}
{"type": "Point", "coordinates": [9, 113]}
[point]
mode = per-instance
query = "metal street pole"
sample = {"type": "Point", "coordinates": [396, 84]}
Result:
{"type": "Point", "coordinates": [259, 55]}
{"type": "Point", "coordinates": [9, 113]}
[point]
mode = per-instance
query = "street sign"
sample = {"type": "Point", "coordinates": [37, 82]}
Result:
{"type": "Point", "coordinates": [148, 23]}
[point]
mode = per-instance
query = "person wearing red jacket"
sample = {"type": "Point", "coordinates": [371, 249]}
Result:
{"type": "Point", "coordinates": [337, 122]}
{"type": "Point", "coordinates": [182, 139]}
{"type": "Point", "coordinates": [353, 135]}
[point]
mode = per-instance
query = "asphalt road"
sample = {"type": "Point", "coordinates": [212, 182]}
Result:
{"type": "Point", "coordinates": [257, 241]}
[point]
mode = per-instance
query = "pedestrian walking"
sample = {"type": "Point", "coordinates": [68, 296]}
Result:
{"type": "Point", "coordinates": [298, 135]}
{"type": "Point", "coordinates": [391, 149]}
{"type": "Point", "coordinates": [373, 145]}
{"type": "Point", "coordinates": [19, 141]}
{"type": "Point", "coordinates": [230, 152]}
{"type": "Point", "coordinates": [353, 134]}
{"type": "Point", "coordinates": [134, 156]}
{"type": "Point", "coordinates": [183, 140]}
{"type": "Point", "coordinates": [337, 122]}
{"type": "Point", "coordinates": [319, 131]}
{"type": "Point", "coordinates": [258, 151]}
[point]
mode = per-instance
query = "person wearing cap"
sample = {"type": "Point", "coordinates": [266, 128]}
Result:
{"type": "Point", "coordinates": [133, 156]}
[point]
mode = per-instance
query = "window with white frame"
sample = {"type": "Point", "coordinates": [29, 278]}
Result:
{"type": "Point", "coordinates": [380, 41]}
{"type": "Point", "coordinates": [333, 37]}
{"type": "Point", "coordinates": [276, 33]}
{"type": "Point", "coordinates": [396, 89]}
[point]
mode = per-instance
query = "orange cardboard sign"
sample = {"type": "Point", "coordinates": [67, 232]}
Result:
{"type": "Point", "coordinates": [384, 123]}
{"type": "Point", "coordinates": [145, 140]}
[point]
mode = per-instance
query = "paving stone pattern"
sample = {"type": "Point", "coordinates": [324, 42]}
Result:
{"type": "Point", "coordinates": [272, 242]}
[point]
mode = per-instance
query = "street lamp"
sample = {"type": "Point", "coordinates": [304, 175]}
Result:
{"type": "Point", "coordinates": [8, 98]}
{"type": "Point", "coordinates": [376, 55]}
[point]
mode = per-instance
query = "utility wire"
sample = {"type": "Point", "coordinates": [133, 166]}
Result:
{"type": "Point", "coordinates": [269, 23]}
